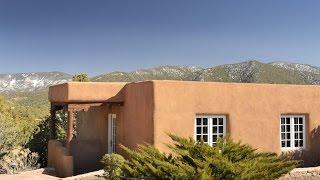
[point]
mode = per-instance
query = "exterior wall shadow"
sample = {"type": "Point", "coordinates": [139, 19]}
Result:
{"type": "Point", "coordinates": [310, 156]}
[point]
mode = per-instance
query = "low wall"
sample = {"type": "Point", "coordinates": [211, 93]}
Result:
{"type": "Point", "coordinates": [60, 159]}
{"type": "Point", "coordinates": [87, 155]}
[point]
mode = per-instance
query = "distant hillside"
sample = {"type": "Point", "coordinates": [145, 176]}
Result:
{"type": "Point", "coordinates": [158, 73]}
{"type": "Point", "coordinates": [245, 72]}
{"type": "Point", "coordinates": [255, 72]}
{"type": "Point", "coordinates": [28, 82]}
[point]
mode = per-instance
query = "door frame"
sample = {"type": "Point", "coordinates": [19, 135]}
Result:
{"type": "Point", "coordinates": [112, 133]}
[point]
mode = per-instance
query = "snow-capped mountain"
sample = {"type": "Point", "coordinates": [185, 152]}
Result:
{"type": "Point", "coordinates": [158, 73]}
{"type": "Point", "coordinates": [246, 72]}
{"type": "Point", "coordinates": [253, 71]}
{"type": "Point", "coordinates": [23, 82]}
{"type": "Point", "coordinates": [308, 72]}
{"type": "Point", "coordinates": [296, 66]}
{"type": "Point", "coordinates": [278, 72]}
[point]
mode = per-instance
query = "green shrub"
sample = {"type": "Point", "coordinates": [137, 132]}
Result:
{"type": "Point", "coordinates": [113, 164]}
{"type": "Point", "coordinates": [81, 78]}
{"type": "Point", "coordinates": [39, 141]}
{"type": "Point", "coordinates": [23, 126]}
{"type": "Point", "coordinates": [197, 160]}
{"type": "Point", "coordinates": [16, 125]}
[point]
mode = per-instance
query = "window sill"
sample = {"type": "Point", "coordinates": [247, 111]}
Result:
{"type": "Point", "coordinates": [293, 149]}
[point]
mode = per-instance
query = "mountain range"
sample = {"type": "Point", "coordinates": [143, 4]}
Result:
{"type": "Point", "coordinates": [22, 82]}
{"type": "Point", "coordinates": [253, 71]}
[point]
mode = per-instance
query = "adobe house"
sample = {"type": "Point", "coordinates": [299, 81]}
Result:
{"type": "Point", "coordinates": [273, 118]}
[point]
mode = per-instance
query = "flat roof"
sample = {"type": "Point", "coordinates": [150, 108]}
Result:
{"type": "Point", "coordinates": [82, 92]}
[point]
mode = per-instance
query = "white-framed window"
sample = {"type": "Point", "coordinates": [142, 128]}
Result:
{"type": "Point", "coordinates": [209, 127]}
{"type": "Point", "coordinates": [292, 132]}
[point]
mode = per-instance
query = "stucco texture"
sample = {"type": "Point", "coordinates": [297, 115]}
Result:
{"type": "Point", "coordinates": [80, 92]}
{"type": "Point", "coordinates": [253, 111]}
{"type": "Point", "coordinates": [150, 109]}
{"type": "Point", "coordinates": [134, 125]}
{"type": "Point", "coordinates": [60, 159]}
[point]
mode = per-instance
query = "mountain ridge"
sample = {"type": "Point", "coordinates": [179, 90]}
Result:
{"type": "Point", "coordinates": [246, 72]}
{"type": "Point", "coordinates": [28, 82]}
{"type": "Point", "coordinates": [252, 71]}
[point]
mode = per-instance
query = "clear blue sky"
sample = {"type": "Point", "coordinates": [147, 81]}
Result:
{"type": "Point", "coordinates": [97, 36]}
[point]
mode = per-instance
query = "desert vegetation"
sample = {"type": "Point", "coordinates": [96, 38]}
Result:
{"type": "Point", "coordinates": [197, 160]}
{"type": "Point", "coordinates": [24, 132]}
{"type": "Point", "coordinates": [81, 78]}
{"type": "Point", "coordinates": [17, 126]}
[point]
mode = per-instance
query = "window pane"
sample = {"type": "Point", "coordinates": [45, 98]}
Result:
{"type": "Point", "coordinates": [214, 121]}
{"type": "Point", "coordinates": [198, 130]}
{"type": "Point", "coordinates": [288, 128]}
{"type": "Point", "coordinates": [300, 120]}
{"type": "Point", "coordinates": [300, 127]}
{"type": "Point", "coordinates": [296, 143]}
{"type": "Point", "coordinates": [300, 135]}
{"type": "Point", "coordinates": [220, 121]}
{"type": "Point", "coordinates": [205, 138]}
{"type": "Point", "coordinates": [283, 144]}
{"type": "Point", "coordinates": [296, 127]}
{"type": "Point", "coordinates": [301, 143]}
{"type": "Point", "coordinates": [288, 120]}
{"type": "Point", "coordinates": [296, 120]}
{"type": "Point", "coordinates": [205, 121]}
{"type": "Point", "coordinates": [283, 128]}
{"type": "Point", "coordinates": [214, 129]}
{"type": "Point", "coordinates": [283, 121]}
{"type": "Point", "coordinates": [198, 137]}
{"type": "Point", "coordinates": [214, 138]}
{"type": "Point", "coordinates": [288, 144]}
{"type": "Point", "coordinates": [220, 129]}
{"type": "Point", "coordinates": [288, 136]}
{"type": "Point", "coordinates": [198, 121]}
{"type": "Point", "coordinates": [283, 136]}
{"type": "Point", "coordinates": [205, 130]}
{"type": "Point", "coordinates": [296, 135]}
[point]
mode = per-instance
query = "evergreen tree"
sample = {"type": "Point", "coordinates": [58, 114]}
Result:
{"type": "Point", "coordinates": [148, 162]}
{"type": "Point", "coordinates": [197, 160]}
{"type": "Point", "coordinates": [81, 78]}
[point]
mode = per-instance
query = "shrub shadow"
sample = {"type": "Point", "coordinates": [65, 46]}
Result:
{"type": "Point", "coordinates": [310, 156]}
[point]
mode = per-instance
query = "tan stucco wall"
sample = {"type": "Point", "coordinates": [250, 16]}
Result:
{"type": "Point", "coordinates": [136, 122]}
{"type": "Point", "coordinates": [152, 108]}
{"type": "Point", "coordinates": [91, 141]}
{"type": "Point", "coordinates": [84, 92]}
{"type": "Point", "coordinates": [253, 111]}
{"type": "Point", "coordinates": [60, 159]}
{"type": "Point", "coordinates": [134, 126]}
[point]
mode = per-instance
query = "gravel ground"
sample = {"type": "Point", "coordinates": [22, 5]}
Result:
{"type": "Point", "coordinates": [311, 173]}
{"type": "Point", "coordinates": [39, 174]}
